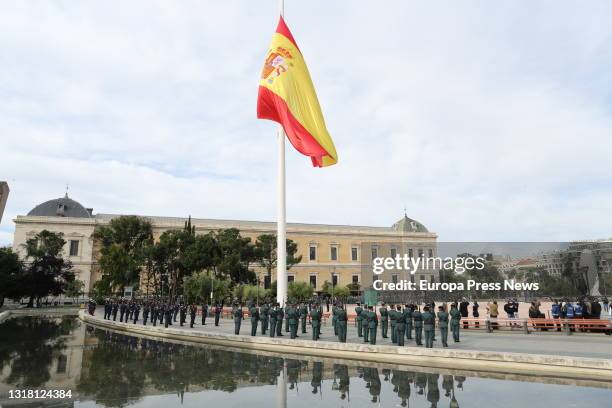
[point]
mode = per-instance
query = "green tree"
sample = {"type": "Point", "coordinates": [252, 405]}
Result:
{"type": "Point", "coordinates": [266, 254]}
{"type": "Point", "coordinates": [199, 285]}
{"type": "Point", "coordinates": [299, 291]}
{"type": "Point", "coordinates": [125, 243]}
{"type": "Point", "coordinates": [10, 268]}
{"type": "Point", "coordinates": [236, 253]}
{"type": "Point", "coordinates": [74, 289]}
{"type": "Point", "coordinates": [46, 272]}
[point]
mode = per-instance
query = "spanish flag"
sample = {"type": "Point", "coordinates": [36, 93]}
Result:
{"type": "Point", "coordinates": [287, 96]}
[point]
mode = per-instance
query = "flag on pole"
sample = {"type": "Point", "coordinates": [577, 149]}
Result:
{"type": "Point", "coordinates": [287, 96]}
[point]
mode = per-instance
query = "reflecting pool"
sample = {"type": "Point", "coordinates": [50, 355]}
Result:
{"type": "Point", "coordinates": [110, 369]}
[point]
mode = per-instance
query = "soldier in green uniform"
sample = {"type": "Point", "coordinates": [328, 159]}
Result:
{"type": "Point", "coordinates": [372, 323]}
{"type": "Point", "coordinates": [400, 326]}
{"type": "Point", "coordinates": [304, 316]}
{"type": "Point", "coordinates": [237, 318]}
{"type": "Point", "coordinates": [335, 318]}
{"type": "Point", "coordinates": [408, 317]}
{"type": "Point", "coordinates": [315, 318]}
{"type": "Point", "coordinates": [365, 316]}
{"type": "Point", "coordinates": [443, 323]}
{"type": "Point", "coordinates": [273, 313]}
{"type": "Point", "coordinates": [417, 317]}
{"type": "Point", "coordinates": [393, 319]}
{"type": "Point", "coordinates": [280, 314]}
{"type": "Point", "coordinates": [342, 318]}
{"type": "Point", "coordinates": [263, 316]}
{"type": "Point", "coordinates": [293, 315]}
{"type": "Point", "coordinates": [254, 312]}
{"type": "Point", "coordinates": [455, 319]}
{"type": "Point", "coordinates": [286, 319]}
{"type": "Point", "coordinates": [384, 320]}
{"type": "Point", "coordinates": [359, 319]}
{"type": "Point", "coordinates": [428, 326]}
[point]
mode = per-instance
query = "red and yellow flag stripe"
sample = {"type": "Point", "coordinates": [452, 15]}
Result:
{"type": "Point", "coordinates": [287, 96]}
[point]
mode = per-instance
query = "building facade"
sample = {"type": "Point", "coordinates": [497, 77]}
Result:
{"type": "Point", "coordinates": [334, 253]}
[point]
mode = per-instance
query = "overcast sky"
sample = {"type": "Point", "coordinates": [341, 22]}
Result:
{"type": "Point", "coordinates": [487, 121]}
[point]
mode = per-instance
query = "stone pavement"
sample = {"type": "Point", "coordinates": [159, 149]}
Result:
{"type": "Point", "coordinates": [546, 343]}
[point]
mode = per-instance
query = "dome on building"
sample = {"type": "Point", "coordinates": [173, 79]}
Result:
{"type": "Point", "coordinates": [409, 225]}
{"type": "Point", "coordinates": [61, 207]}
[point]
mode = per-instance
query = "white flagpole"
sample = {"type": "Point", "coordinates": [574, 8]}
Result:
{"type": "Point", "coordinates": [281, 235]}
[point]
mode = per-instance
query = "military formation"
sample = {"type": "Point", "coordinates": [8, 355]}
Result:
{"type": "Point", "coordinates": [402, 323]}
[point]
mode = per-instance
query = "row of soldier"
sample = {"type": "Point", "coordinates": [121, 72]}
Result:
{"type": "Point", "coordinates": [270, 316]}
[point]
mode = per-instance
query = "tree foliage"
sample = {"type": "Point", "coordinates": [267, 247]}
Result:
{"type": "Point", "coordinates": [266, 254]}
{"type": "Point", "coordinates": [46, 272]}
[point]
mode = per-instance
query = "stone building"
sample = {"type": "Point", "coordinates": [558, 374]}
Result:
{"type": "Point", "coordinates": [342, 253]}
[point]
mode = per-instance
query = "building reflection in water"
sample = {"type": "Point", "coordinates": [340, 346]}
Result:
{"type": "Point", "coordinates": [113, 369]}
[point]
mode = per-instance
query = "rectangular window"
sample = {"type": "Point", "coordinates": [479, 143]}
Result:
{"type": "Point", "coordinates": [313, 253]}
{"type": "Point", "coordinates": [374, 253]}
{"type": "Point", "coordinates": [410, 253]}
{"type": "Point", "coordinates": [335, 280]}
{"type": "Point", "coordinates": [430, 253]}
{"type": "Point", "coordinates": [412, 278]}
{"type": "Point", "coordinates": [394, 278]}
{"type": "Point", "coordinates": [313, 281]}
{"type": "Point", "coordinates": [290, 278]}
{"type": "Point", "coordinates": [334, 253]}
{"type": "Point", "coordinates": [355, 278]}
{"type": "Point", "coordinates": [62, 363]}
{"type": "Point", "coordinates": [420, 253]}
{"type": "Point", "coordinates": [423, 277]}
{"type": "Point", "coordinates": [354, 254]}
{"type": "Point", "coordinates": [393, 253]}
{"type": "Point", "coordinates": [267, 284]}
{"type": "Point", "coordinates": [74, 248]}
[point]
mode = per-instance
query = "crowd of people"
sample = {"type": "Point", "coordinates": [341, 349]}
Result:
{"type": "Point", "coordinates": [400, 322]}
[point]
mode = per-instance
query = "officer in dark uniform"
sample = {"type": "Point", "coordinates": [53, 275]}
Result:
{"type": "Point", "coordinates": [193, 310]}
{"type": "Point", "coordinates": [293, 316]}
{"type": "Point", "coordinates": [107, 308]}
{"type": "Point", "coordinates": [342, 323]}
{"type": "Point", "coordinates": [280, 314]}
{"type": "Point", "coordinates": [408, 318]}
{"type": "Point", "coordinates": [154, 309]}
{"type": "Point", "coordinates": [183, 314]}
{"type": "Point", "coordinates": [315, 318]}
{"type": "Point", "coordinates": [365, 322]}
{"type": "Point", "coordinates": [168, 315]}
{"type": "Point", "coordinates": [417, 317]}
{"type": "Point", "coordinates": [373, 324]}
{"type": "Point", "coordinates": [273, 313]}
{"type": "Point", "coordinates": [254, 312]}
{"type": "Point", "coordinates": [115, 308]}
{"type": "Point", "coordinates": [304, 316]}
{"type": "Point", "coordinates": [400, 325]}
{"type": "Point", "coordinates": [237, 318]}
{"type": "Point", "coordinates": [264, 316]}
{"type": "Point", "coordinates": [334, 319]}
{"type": "Point", "coordinates": [145, 313]}
{"type": "Point", "coordinates": [443, 323]}
{"type": "Point", "coordinates": [122, 311]}
{"type": "Point", "coordinates": [454, 323]}
{"type": "Point", "coordinates": [218, 310]}
{"type": "Point", "coordinates": [428, 326]}
{"type": "Point", "coordinates": [204, 313]}
{"type": "Point", "coordinates": [136, 312]}
{"type": "Point", "coordinates": [175, 312]}
{"type": "Point", "coordinates": [384, 320]}
{"type": "Point", "coordinates": [393, 314]}
{"type": "Point", "coordinates": [359, 319]}
{"type": "Point", "coordinates": [286, 320]}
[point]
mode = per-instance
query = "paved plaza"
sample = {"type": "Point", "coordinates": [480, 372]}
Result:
{"type": "Point", "coordinates": [589, 345]}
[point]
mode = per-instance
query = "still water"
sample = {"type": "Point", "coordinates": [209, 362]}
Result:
{"type": "Point", "coordinates": [109, 369]}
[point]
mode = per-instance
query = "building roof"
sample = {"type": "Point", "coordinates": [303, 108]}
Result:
{"type": "Point", "coordinates": [409, 225]}
{"type": "Point", "coordinates": [61, 207]}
